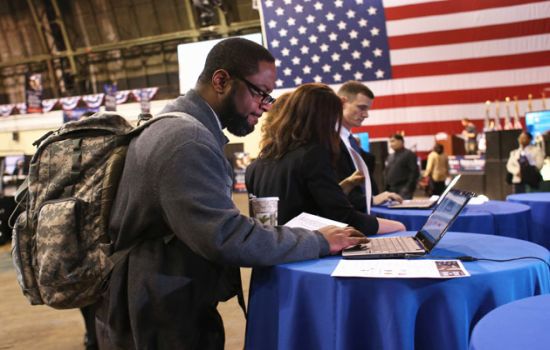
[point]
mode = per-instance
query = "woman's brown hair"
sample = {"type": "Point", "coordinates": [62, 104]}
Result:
{"type": "Point", "coordinates": [310, 114]}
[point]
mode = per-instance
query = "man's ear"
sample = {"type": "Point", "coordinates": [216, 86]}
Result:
{"type": "Point", "coordinates": [221, 81]}
{"type": "Point", "coordinates": [344, 99]}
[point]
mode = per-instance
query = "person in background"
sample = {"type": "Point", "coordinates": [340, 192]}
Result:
{"type": "Point", "coordinates": [297, 158]}
{"type": "Point", "coordinates": [20, 169]}
{"type": "Point", "coordinates": [174, 209]}
{"type": "Point", "coordinates": [356, 173]}
{"type": "Point", "coordinates": [470, 136]}
{"type": "Point", "coordinates": [437, 169]}
{"type": "Point", "coordinates": [527, 154]}
{"type": "Point", "coordinates": [401, 171]}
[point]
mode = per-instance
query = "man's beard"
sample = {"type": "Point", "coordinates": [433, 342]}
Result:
{"type": "Point", "coordinates": [235, 123]}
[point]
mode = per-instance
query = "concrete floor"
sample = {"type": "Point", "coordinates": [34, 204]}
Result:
{"type": "Point", "coordinates": [25, 327]}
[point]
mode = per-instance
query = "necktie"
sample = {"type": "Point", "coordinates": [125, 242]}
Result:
{"type": "Point", "coordinates": [362, 167]}
{"type": "Point", "coordinates": [353, 143]}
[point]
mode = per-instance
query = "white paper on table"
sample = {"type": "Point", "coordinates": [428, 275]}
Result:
{"type": "Point", "coordinates": [313, 222]}
{"type": "Point", "coordinates": [400, 268]}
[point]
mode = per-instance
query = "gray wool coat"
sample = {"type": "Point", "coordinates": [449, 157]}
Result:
{"type": "Point", "coordinates": [174, 199]}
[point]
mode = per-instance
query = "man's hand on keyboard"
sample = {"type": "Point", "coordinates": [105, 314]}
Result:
{"type": "Point", "coordinates": [339, 238]}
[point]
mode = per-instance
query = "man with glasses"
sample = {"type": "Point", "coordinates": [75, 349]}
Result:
{"type": "Point", "coordinates": [174, 207]}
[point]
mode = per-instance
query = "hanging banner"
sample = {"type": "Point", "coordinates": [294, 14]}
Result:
{"type": "Point", "coordinates": [93, 100]}
{"type": "Point", "coordinates": [21, 107]}
{"type": "Point", "coordinates": [69, 103]}
{"type": "Point", "coordinates": [33, 92]}
{"type": "Point", "coordinates": [6, 110]}
{"type": "Point", "coordinates": [110, 97]}
{"type": "Point", "coordinates": [122, 96]}
{"type": "Point", "coordinates": [76, 113]}
{"type": "Point", "coordinates": [49, 104]}
{"type": "Point", "coordinates": [149, 92]}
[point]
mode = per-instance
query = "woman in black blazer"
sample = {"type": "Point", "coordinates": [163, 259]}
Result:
{"type": "Point", "coordinates": [300, 145]}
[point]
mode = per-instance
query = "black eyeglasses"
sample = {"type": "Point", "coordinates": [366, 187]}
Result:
{"type": "Point", "coordinates": [266, 99]}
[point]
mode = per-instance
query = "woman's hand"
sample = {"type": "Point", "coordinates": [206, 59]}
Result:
{"type": "Point", "coordinates": [352, 181]}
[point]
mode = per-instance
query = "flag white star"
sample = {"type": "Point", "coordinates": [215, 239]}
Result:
{"type": "Point", "coordinates": [321, 28]}
{"type": "Point", "coordinates": [335, 57]}
{"type": "Point", "coordinates": [293, 41]}
{"type": "Point", "coordinates": [275, 43]}
{"type": "Point", "coordinates": [288, 2]}
{"type": "Point", "coordinates": [379, 73]}
{"type": "Point", "coordinates": [279, 83]}
{"type": "Point", "coordinates": [279, 11]}
{"type": "Point", "coordinates": [333, 36]}
{"type": "Point", "coordinates": [272, 24]}
{"type": "Point", "coordinates": [346, 66]}
{"type": "Point", "coordinates": [298, 8]}
{"type": "Point", "coordinates": [338, 3]}
{"type": "Point", "coordinates": [302, 30]}
{"type": "Point", "coordinates": [310, 19]}
{"type": "Point", "coordinates": [277, 62]}
{"type": "Point", "coordinates": [318, 6]}
{"type": "Point", "coordinates": [372, 10]}
{"type": "Point", "coordinates": [306, 69]}
{"type": "Point", "coordinates": [297, 80]}
{"type": "Point", "coordinates": [363, 22]}
{"type": "Point", "coordinates": [359, 2]}
{"type": "Point", "coordinates": [365, 43]}
{"type": "Point", "coordinates": [356, 55]}
{"type": "Point", "coordinates": [295, 60]}
{"type": "Point", "coordinates": [337, 77]}
{"type": "Point", "coordinates": [312, 39]}
{"type": "Point", "coordinates": [353, 34]}
{"type": "Point", "coordinates": [291, 21]}
{"type": "Point", "coordinates": [268, 3]}
{"type": "Point", "coordinates": [324, 47]}
{"type": "Point", "coordinates": [342, 25]}
{"type": "Point", "coordinates": [374, 31]}
{"type": "Point", "coordinates": [326, 68]}
{"type": "Point", "coordinates": [304, 50]}
{"type": "Point", "coordinates": [287, 71]}
{"type": "Point", "coordinates": [315, 59]}
{"type": "Point", "coordinates": [317, 78]}
{"type": "Point", "coordinates": [285, 52]}
{"type": "Point", "coordinates": [367, 64]}
{"type": "Point", "coordinates": [377, 52]}
{"type": "Point", "coordinates": [330, 16]}
{"type": "Point", "coordinates": [283, 32]}
{"type": "Point", "coordinates": [350, 14]}
{"type": "Point", "coordinates": [344, 45]}
{"type": "Point", "coordinates": [358, 75]}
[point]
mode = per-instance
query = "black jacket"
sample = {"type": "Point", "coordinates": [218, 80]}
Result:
{"type": "Point", "coordinates": [304, 181]}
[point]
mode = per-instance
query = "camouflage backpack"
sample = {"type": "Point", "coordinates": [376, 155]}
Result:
{"type": "Point", "coordinates": [60, 248]}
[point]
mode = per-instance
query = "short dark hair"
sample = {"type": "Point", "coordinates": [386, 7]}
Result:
{"type": "Point", "coordinates": [352, 88]}
{"type": "Point", "coordinates": [238, 56]}
{"type": "Point", "coordinates": [397, 137]}
{"type": "Point", "coordinates": [528, 134]}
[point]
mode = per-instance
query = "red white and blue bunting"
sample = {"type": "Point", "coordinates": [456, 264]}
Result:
{"type": "Point", "coordinates": [92, 101]}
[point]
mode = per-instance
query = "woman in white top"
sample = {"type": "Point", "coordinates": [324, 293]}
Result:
{"type": "Point", "coordinates": [530, 154]}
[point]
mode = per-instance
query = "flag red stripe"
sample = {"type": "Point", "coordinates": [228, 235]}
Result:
{"type": "Point", "coordinates": [445, 37]}
{"type": "Point", "coordinates": [526, 60]}
{"type": "Point", "coordinates": [446, 7]}
{"type": "Point", "coordinates": [458, 96]}
{"type": "Point", "coordinates": [421, 128]}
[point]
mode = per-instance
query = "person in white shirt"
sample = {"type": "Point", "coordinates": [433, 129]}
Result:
{"type": "Point", "coordinates": [527, 153]}
{"type": "Point", "coordinates": [351, 167]}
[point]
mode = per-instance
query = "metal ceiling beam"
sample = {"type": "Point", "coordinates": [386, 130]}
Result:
{"type": "Point", "coordinates": [125, 44]}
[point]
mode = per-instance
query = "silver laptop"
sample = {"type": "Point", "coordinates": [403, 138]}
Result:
{"type": "Point", "coordinates": [425, 239]}
{"type": "Point", "coordinates": [425, 203]}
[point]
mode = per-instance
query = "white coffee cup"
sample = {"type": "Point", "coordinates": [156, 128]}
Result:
{"type": "Point", "coordinates": [265, 209]}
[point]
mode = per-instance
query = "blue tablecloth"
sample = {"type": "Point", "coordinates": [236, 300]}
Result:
{"type": "Point", "coordinates": [539, 203]}
{"type": "Point", "coordinates": [492, 218]}
{"type": "Point", "coordinates": [300, 306]}
{"type": "Point", "coordinates": [522, 324]}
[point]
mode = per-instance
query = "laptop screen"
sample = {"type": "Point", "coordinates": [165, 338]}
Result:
{"type": "Point", "coordinates": [442, 217]}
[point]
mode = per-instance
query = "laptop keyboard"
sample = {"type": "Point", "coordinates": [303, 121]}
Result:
{"type": "Point", "coordinates": [393, 244]}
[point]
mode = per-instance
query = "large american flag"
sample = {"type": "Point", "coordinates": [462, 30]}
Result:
{"type": "Point", "coordinates": [429, 63]}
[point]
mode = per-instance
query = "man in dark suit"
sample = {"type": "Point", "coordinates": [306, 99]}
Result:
{"type": "Point", "coordinates": [355, 167]}
{"type": "Point", "coordinates": [401, 172]}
